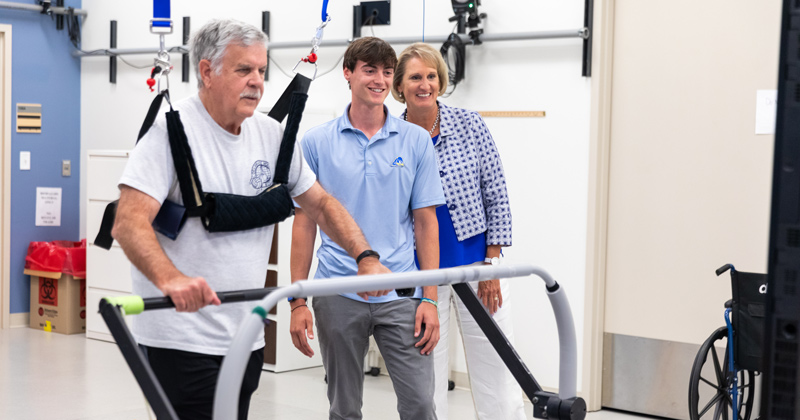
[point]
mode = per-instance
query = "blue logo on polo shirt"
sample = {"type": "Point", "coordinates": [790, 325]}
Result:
{"type": "Point", "coordinates": [398, 163]}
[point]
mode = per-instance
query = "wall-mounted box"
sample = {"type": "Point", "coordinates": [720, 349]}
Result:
{"type": "Point", "coordinates": [29, 118]}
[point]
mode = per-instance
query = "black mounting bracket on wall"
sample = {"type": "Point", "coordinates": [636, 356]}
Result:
{"type": "Point", "coordinates": [112, 65]}
{"type": "Point", "coordinates": [265, 28]}
{"type": "Point", "coordinates": [112, 61]}
{"type": "Point", "coordinates": [588, 18]}
{"type": "Point", "coordinates": [59, 18]}
{"type": "Point", "coordinates": [185, 66]}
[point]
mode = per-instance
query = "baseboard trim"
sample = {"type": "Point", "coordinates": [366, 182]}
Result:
{"type": "Point", "coordinates": [20, 320]}
{"type": "Point", "coordinates": [461, 379]}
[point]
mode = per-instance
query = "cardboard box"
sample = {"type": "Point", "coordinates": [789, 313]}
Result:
{"type": "Point", "coordinates": [58, 302]}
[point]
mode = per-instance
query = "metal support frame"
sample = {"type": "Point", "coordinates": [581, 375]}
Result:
{"type": "Point", "coordinates": [265, 17]}
{"type": "Point", "coordinates": [588, 19]}
{"type": "Point", "coordinates": [113, 52]}
{"type": "Point", "coordinates": [112, 61]}
{"type": "Point", "coordinates": [60, 18]}
{"type": "Point", "coordinates": [132, 353]}
{"type": "Point", "coordinates": [546, 405]}
{"type": "Point", "coordinates": [185, 66]}
{"type": "Point", "coordinates": [498, 340]}
{"type": "Point", "coordinates": [357, 22]}
{"type": "Point", "coordinates": [136, 362]}
{"type": "Point", "coordinates": [520, 36]}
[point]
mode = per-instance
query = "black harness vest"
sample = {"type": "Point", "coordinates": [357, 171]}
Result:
{"type": "Point", "coordinates": [221, 212]}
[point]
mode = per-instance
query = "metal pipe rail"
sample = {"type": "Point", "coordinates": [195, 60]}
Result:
{"type": "Point", "coordinates": [39, 8]}
{"type": "Point", "coordinates": [582, 33]}
{"type": "Point", "coordinates": [566, 405]}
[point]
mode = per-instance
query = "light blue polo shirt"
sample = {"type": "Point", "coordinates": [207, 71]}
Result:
{"type": "Point", "coordinates": [379, 181]}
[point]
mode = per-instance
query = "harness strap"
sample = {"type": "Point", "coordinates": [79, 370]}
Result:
{"type": "Point", "coordinates": [104, 238]}
{"type": "Point", "coordinates": [185, 169]}
{"type": "Point", "coordinates": [152, 113]}
{"type": "Point", "coordinates": [281, 108]}
{"type": "Point", "coordinates": [289, 136]}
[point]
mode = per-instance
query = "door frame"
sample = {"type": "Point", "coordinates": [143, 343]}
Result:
{"type": "Point", "coordinates": [597, 210]}
{"type": "Point", "coordinates": [5, 177]}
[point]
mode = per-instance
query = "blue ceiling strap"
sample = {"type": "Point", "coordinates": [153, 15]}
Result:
{"type": "Point", "coordinates": [324, 10]}
{"type": "Point", "coordinates": [161, 15]}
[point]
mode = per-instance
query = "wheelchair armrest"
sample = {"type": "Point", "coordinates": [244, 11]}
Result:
{"type": "Point", "coordinates": [729, 303]}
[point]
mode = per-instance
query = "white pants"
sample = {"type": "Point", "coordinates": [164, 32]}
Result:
{"type": "Point", "coordinates": [495, 392]}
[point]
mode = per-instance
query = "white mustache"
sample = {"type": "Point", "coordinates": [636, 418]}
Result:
{"type": "Point", "coordinates": [251, 95]}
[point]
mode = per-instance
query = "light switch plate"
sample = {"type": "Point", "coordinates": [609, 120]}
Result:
{"type": "Point", "coordinates": [24, 161]}
{"type": "Point", "coordinates": [66, 168]}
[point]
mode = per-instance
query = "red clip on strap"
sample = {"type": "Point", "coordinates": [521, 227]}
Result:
{"type": "Point", "coordinates": [311, 58]}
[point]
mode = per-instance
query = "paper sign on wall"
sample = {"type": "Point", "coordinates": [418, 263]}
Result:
{"type": "Point", "coordinates": [766, 109]}
{"type": "Point", "coordinates": [48, 206]}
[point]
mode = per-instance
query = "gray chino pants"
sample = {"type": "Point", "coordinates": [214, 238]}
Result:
{"type": "Point", "coordinates": [344, 326]}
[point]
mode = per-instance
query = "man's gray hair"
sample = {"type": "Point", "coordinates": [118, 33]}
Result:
{"type": "Point", "coordinates": [211, 41]}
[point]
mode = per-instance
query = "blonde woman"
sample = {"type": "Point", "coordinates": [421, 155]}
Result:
{"type": "Point", "coordinates": [473, 227]}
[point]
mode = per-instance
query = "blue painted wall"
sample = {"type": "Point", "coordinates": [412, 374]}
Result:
{"type": "Point", "coordinates": [42, 72]}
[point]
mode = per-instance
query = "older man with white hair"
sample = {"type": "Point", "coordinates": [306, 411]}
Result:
{"type": "Point", "coordinates": [231, 145]}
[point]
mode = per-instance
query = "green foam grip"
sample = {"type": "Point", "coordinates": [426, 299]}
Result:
{"type": "Point", "coordinates": [260, 312]}
{"type": "Point", "coordinates": [132, 305]}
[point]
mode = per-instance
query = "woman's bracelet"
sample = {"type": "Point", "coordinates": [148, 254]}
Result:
{"type": "Point", "coordinates": [299, 306]}
{"type": "Point", "coordinates": [431, 301]}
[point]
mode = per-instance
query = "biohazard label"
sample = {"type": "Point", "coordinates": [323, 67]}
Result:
{"type": "Point", "coordinates": [48, 291]}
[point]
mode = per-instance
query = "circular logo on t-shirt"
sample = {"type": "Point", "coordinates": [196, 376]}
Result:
{"type": "Point", "coordinates": [260, 175]}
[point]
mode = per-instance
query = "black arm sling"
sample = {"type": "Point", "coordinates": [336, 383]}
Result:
{"type": "Point", "coordinates": [220, 212]}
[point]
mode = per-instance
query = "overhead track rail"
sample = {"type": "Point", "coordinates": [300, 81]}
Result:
{"type": "Point", "coordinates": [582, 33]}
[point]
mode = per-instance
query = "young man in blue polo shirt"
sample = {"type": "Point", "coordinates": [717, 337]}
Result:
{"type": "Point", "coordinates": [384, 171]}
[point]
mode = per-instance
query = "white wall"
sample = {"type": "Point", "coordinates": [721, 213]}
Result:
{"type": "Point", "coordinates": [545, 159]}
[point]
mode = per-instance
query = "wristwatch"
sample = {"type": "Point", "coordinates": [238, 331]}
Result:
{"type": "Point", "coordinates": [295, 298]}
{"type": "Point", "coordinates": [492, 261]}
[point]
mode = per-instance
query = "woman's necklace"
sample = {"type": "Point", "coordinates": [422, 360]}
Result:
{"type": "Point", "coordinates": [435, 122]}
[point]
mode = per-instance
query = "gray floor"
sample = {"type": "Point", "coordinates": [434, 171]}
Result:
{"type": "Point", "coordinates": [58, 377]}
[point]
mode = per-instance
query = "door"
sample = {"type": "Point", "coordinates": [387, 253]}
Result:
{"type": "Point", "coordinates": [689, 186]}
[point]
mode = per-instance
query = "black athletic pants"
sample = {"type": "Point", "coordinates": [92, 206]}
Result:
{"type": "Point", "coordinates": [189, 380]}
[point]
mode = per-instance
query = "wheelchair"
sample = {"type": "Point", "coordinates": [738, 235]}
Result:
{"type": "Point", "coordinates": [723, 386]}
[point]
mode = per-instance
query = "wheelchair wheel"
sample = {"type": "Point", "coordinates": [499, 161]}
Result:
{"type": "Point", "coordinates": [710, 383]}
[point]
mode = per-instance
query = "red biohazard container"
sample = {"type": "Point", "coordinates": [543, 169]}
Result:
{"type": "Point", "coordinates": [58, 286]}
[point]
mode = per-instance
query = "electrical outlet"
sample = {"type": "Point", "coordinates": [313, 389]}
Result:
{"type": "Point", "coordinates": [66, 168]}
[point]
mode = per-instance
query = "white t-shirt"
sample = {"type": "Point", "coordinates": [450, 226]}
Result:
{"type": "Point", "coordinates": [241, 164]}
